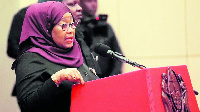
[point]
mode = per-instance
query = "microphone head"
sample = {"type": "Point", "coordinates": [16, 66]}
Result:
{"type": "Point", "coordinates": [102, 49]}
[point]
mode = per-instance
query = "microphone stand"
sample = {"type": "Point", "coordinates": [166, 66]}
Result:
{"type": "Point", "coordinates": [123, 59]}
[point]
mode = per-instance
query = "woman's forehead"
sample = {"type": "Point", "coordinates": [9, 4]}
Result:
{"type": "Point", "coordinates": [67, 17]}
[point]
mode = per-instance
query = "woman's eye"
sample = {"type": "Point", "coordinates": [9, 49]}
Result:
{"type": "Point", "coordinates": [70, 24]}
{"type": "Point", "coordinates": [64, 25]}
{"type": "Point", "coordinates": [71, 4]}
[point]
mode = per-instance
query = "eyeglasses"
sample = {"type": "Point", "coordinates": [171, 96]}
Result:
{"type": "Point", "coordinates": [66, 26]}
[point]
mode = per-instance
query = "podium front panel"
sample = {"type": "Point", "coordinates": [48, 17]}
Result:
{"type": "Point", "coordinates": [120, 93]}
{"type": "Point", "coordinates": [137, 91]}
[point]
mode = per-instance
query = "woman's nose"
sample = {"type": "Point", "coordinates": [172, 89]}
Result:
{"type": "Point", "coordinates": [69, 30]}
{"type": "Point", "coordinates": [79, 8]}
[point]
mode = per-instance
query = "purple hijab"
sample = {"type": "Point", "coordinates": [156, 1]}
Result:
{"type": "Point", "coordinates": [39, 21]}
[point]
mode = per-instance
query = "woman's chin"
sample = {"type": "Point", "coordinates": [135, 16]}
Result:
{"type": "Point", "coordinates": [68, 45]}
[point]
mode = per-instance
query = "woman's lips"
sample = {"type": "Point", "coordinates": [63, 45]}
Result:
{"type": "Point", "coordinates": [69, 39]}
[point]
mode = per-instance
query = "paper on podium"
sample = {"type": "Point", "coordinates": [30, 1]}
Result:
{"type": "Point", "coordinates": [137, 91]}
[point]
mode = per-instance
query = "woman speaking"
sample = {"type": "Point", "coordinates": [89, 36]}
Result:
{"type": "Point", "coordinates": [50, 59]}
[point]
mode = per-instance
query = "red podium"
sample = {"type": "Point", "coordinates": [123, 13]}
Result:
{"type": "Point", "coordinates": [137, 91]}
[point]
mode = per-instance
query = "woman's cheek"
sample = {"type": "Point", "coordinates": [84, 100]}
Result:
{"type": "Point", "coordinates": [60, 34]}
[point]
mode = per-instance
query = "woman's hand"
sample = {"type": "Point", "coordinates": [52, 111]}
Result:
{"type": "Point", "coordinates": [70, 74]}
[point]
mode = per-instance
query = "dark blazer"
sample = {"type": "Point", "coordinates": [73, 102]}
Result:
{"type": "Point", "coordinates": [36, 92]}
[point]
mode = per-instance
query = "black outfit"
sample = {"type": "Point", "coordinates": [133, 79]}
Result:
{"type": "Point", "coordinates": [99, 31]}
{"type": "Point", "coordinates": [36, 91]}
{"type": "Point", "coordinates": [15, 33]}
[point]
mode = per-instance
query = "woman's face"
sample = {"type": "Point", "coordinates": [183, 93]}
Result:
{"type": "Point", "coordinates": [75, 8]}
{"type": "Point", "coordinates": [63, 33]}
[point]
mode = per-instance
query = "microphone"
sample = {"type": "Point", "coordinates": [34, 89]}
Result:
{"type": "Point", "coordinates": [105, 51]}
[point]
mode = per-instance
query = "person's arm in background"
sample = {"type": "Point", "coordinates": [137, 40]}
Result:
{"type": "Point", "coordinates": [15, 33]}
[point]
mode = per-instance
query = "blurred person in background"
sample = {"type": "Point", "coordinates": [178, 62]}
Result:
{"type": "Point", "coordinates": [97, 30]}
{"type": "Point", "coordinates": [15, 33]}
